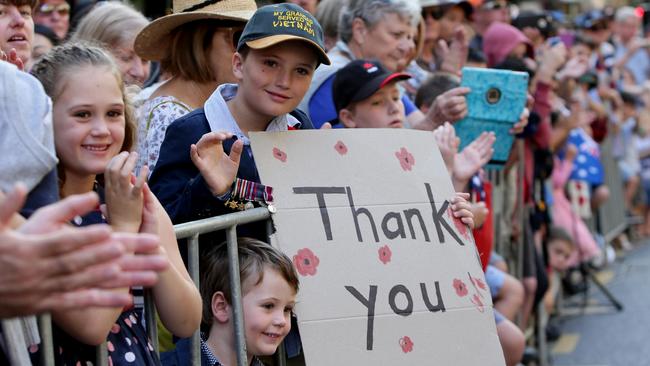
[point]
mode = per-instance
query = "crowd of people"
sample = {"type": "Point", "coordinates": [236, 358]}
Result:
{"type": "Point", "coordinates": [116, 127]}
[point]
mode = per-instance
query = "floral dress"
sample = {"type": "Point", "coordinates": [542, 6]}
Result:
{"type": "Point", "coordinates": [154, 116]}
{"type": "Point", "coordinates": [127, 341]}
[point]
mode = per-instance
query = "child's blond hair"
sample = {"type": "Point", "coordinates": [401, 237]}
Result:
{"type": "Point", "coordinates": [52, 69]}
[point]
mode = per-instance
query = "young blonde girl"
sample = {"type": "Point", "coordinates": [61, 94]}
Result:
{"type": "Point", "coordinates": [94, 134]}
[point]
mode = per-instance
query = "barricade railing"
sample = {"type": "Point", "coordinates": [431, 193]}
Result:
{"type": "Point", "coordinates": [190, 231]}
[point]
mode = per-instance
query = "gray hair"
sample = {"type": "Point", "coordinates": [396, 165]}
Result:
{"type": "Point", "coordinates": [328, 13]}
{"type": "Point", "coordinates": [110, 24]}
{"type": "Point", "coordinates": [624, 13]}
{"type": "Point", "coordinates": [373, 11]}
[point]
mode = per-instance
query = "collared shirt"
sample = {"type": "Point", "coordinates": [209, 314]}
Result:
{"type": "Point", "coordinates": [220, 118]}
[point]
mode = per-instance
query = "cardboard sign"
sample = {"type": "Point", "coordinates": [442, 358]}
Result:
{"type": "Point", "coordinates": [387, 276]}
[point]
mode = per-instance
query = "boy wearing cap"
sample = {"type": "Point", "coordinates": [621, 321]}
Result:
{"type": "Point", "coordinates": [366, 96]}
{"type": "Point", "coordinates": [206, 150]}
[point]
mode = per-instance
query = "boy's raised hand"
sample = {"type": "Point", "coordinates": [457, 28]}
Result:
{"type": "Point", "coordinates": [123, 193]}
{"type": "Point", "coordinates": [473, 157]}
{"type": "Point", "coordinates": [218, 169]}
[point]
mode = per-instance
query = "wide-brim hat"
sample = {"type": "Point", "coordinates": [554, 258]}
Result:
{"type": "Point", "coordinates": [152, 42]}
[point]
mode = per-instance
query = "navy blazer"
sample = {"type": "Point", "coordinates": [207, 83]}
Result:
{"type": "Point", "coordinates": [179, 185]}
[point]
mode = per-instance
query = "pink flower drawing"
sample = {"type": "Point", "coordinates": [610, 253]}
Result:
{"type": "Point", "coordinates": [280, 155]}
{"type": "Point", "coordinates": [385, 254]}
{"type": "Point", "coordinates": [406, 343]}
{"type": "Point", "coordinates": [406, 159]}
{"type": "Point", "coordinates": [460, 225]}
{"type": "Point", "coordinates": [460, 287]}
{"type": "Point", "coordinates": [477, 301]}
{"type": "Point", "coordinates": [306, 262]}
{"type": "Point", "coordinates": [341, 148]}
{"type": "Point", "coordinates": [478, 282]}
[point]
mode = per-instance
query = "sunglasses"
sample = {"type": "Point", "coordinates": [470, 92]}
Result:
{"type": "Point", "coordinates": [435, 12]}
{"type": "Point", "coordinates": [47, 9]}
{"type": "Point", "coordinates": [494, 5]}
{"type": "Point", "coordinates": [599, 26]}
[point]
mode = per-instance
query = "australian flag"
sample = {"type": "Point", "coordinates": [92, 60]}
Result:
{"type": "Point", "coordinates": [586, 166]}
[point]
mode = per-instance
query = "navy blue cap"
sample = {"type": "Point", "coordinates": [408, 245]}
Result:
{"type": "Point", "coordinates": [360, 79]}
{"type": "Point", "coordinates": [277, 23]}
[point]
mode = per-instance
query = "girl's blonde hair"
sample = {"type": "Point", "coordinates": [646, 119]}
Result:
{"type": "Point", "coordinates": [55, 66]}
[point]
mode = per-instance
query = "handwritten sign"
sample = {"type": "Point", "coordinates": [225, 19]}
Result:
{"type": "Point", "coordinates": [387, 275]}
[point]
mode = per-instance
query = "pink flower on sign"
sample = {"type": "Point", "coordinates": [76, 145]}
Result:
{"type": "Point", "coordinates": [406, 160]}
{"type": "Point", "coordinates": [341, 148]}
{"type": "Point", "coordinates": [406, 343]}
{"type": "Point", "coordinates": [385, 254]}
{"type": "Point", "coordinates": [477, 301]}
{"type": "Point", "coordinates": [460, 225]}
{"type": "Point", "coordinates": [479, 282]}
{"type": "Point", "coordinates": [280, 155]}
{"type": "Point", "coordinates": [460, 287]}
{"type": "Point", "coordinates": [306, 262]}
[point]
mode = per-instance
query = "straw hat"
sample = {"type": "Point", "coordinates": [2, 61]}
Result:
{"type": "Point", "coordinates": [151, 43]}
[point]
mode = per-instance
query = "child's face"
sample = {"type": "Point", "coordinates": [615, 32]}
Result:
{"type": "Point", "coordinates": [384, 109]}
{"type": "Point", "coordinates": [559, 252]}
{"type": "Point", "coordinates": [273, 80]}
{"type": "Point", "coordinates": [89, 122]}
{"type": "Point", "coordinates": [16, 30]}
{"type": "Point", "coordinates": [267, 313]}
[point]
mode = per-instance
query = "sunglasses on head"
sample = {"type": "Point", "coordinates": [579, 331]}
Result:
{"type": "Point", "coordinates": [48, 9]}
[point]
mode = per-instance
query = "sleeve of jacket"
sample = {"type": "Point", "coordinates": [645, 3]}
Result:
{"type": "Point", "coordinates": [175, 180]}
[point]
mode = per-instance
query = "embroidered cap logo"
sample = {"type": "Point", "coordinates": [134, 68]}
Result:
{"type": "Point", "coordinates": [294, 20]}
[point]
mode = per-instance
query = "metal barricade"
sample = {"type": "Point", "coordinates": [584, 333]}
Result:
{"type": "Point", "coordinates": [612, 214]}
{"type": "Point", "coordinates": [191, 231]}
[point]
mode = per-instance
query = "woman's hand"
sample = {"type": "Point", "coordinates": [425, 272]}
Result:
{"type": "Point", "coordinates": [448, 143]}
{"type": "Point", "coordinates": [123, 193]}
{"type": "Point", "coordinates": [12, 58]}
{"type": "Point", "coordinates": [218, 169]}
{"type": "Point", "coordinates": [519, 127]}
{"type": "Point", "coordinates": [450, 106]}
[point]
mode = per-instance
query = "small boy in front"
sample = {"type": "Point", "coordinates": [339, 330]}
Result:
{"type": "Point", "coordinates": [269, 284]}
{"type": "Point", "coordinates": [277, 54]}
